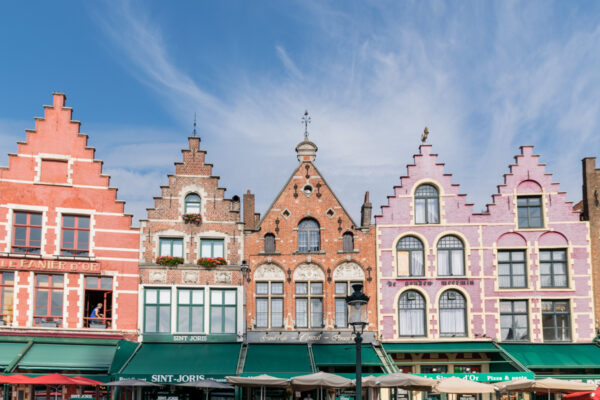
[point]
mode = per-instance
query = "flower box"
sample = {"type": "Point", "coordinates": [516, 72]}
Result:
{"type": "Point", "coordinates": [168, 260]}
{"type": "Point", "coordinates": [192, 218]}
{"type": "Point", "coordinates": [211, 261]}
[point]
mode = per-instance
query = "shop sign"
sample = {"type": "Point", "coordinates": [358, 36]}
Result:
{"type": "Point", "coordinates": [485, 377]}
{"type": "Point", "coordinates": [165, 338]}
{"type": "Point", "coordinates": [38, 264]}
{"type": "Point", "coordinates": [174, 378]}
{"type": "Point", "coordinates": [323, 337]}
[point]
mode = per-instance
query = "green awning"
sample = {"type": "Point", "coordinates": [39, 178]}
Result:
{"type": "Point", "coordinates": [448, 347]}
{"type": "Point", "coordinates": [124, 351]}
{"type": "Point", "coordinates": [8, 352]}
{"type": "Point", "coordinates": [180, 362]}
{"type": "Point", "coordinates": [547, 356]}
{"type": "Point", "coordinates": [77, 357]}
{"type": "Point", "coordinates": [280, 360]}
{"type": "Point", "coordinates": [343, 355]}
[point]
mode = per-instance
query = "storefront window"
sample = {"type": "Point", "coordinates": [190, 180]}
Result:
{"type": "Point", "coordinates": [48, 300]}
{"type": "Point", "coordinates": [223, 305]}
{"type": "Point", "coordinates": [190, 310]}
{"type": "Point", "coordinates": [7, 281]}
{"type": "Point", "coordinates": [434, 369]}
{"type": "Point", "coordinates": [467, 369]}
{"type": "Point", "coordinates": [157, 310]}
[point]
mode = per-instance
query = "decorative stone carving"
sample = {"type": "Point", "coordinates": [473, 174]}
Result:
{"type": "Point", "coordinates": [157, 276]}
{"type": "Point", "coordinates": [222, 276]}
{"type": "Point", "coordinates": [348, 271]}
{"type": "Point", "coordinates": [308, 272]}
{"type": "Point", "coordinates": [269, 272]}
{"type": "Point", "coordinates": [190, 276]}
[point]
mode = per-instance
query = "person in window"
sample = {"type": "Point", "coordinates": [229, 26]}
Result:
{"type": "Point", "coordinates": [96, 315]}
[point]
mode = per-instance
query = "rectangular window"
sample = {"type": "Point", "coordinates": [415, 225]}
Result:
{"type": "Point", "coordinates": [529, 209]}
{"type": "Point", "coordinates": [316, 313]}
{"type": "Point", "coordinates": [27, 233]}
{"type": "Point", "coordinates": [269, 304]}
{"type": "Point", "coordinates": [512, 269]}
{"type": "Point", "coordinates": [553, 268]}
{"type": "Point", "coordinates": [556, 320]}
{"type": "Point", "coordinates": [309, 309]}
{"type": "Point", "coordinates": [223, 305]}
{"type": "Point", "coordinates": [514, 320]}
{"type": "Point", "coordinates": [7, 282]}
{"type": "Point", "coordinates": [212, 248]}
{"type": "Point", "coordinates": [157, 310]}
{"type": "Point", "coordinates": [302, 313]}
{"type": "Point", "coordinates": [342, 289]}
{"type": "Point", "coordinates": [48, 300]}
{"type": "Point", "coordinates": [75, 235]}
{"type": "Point", "coordinates": [171, 247]}
{"type": "Point", "coordinates": [98, 302]}
{"type": "Point", "coordinates": [190, 310]}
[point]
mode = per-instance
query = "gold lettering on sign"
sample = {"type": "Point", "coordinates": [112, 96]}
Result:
{"type": "Point", "coordinates": [49, 265]}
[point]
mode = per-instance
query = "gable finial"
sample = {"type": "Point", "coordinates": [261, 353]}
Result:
{"type": "Point", "coordinates": [194, 125]}
{"type": "Point", "coordinates": [424, 135]}
{"type": "Point", "coordinates": [306, 120]}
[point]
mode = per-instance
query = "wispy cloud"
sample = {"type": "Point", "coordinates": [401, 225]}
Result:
{"type": "Point", "coordinates": [378, 75]}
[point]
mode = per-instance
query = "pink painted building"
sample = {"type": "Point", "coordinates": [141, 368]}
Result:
{"type": "Point", "coordinates": [517, 273]}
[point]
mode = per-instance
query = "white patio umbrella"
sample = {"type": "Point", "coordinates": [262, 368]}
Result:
{"type": "Point", "coordinates": [462, 386]}
{"type": "Point", "coordinates": [405, 381]}
{"type": "Point", "coordinates": [260, 381]}
{"type": "Point", "coordinates": [319, 381]}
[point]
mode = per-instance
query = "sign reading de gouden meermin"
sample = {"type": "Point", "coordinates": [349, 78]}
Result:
{"type": "Point", "coordinates": [48, 265]}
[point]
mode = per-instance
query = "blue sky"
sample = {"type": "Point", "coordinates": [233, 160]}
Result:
{"type": "Point", "coordinates": [486, 77]}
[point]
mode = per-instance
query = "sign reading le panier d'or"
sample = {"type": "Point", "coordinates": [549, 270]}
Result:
{"type": "Point", "coordinates": [38, 264]}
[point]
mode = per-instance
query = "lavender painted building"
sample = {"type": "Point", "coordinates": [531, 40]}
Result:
{"type": "Point", "coordinates": [517, 273]}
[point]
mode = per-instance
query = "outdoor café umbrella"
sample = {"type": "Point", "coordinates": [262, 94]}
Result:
{"type": "Point", "coordinates": [207, 385]}
{"type": "Point", "coordinates": [549, 385]}
{"type": "Point", "coordinates": [462, 386]}
{"type": "Point", "coordinates": [83, 381]}
{"type": "Point", "coordinates": [367, 381]}
{"type": "Point", "coordinates": [258, 381]}
{"type": "Point", "coordinates": [320, 380]}
{"type": "Point", "coordinates": [583, 395]}
{"type": "Point", "coordinates": [54, 380]}
{"type": "Point", "coordinates": [14, 379]}
{"type": "Point", "coordinates": [406, 381]}
{"type": "Point", "coordinates": [130, 383]}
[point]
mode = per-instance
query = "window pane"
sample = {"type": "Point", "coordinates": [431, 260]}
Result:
{"type": "Point", "coordinates": [178, 248]}
{"type": "Point", "coordinates": [316, 288]}
{"type": "Point", "coordinates": [545, 255]}
{"type": "Point", "coordinates": [198, 296]}
{"type": "Point", "coordinates": [206, 248]}
{"type": "Point", "coordinates": [197, 319]}
{"type": "Point", "coordinates": [35, 237]}
{"type": "Point", "coordinates": [432, 211]}
{"type": "Point", "coordinates": [83, 238]}
{"type": "Point", "coordinates": [230, 297]}
{"type": "Point", "coordinates": [216, 297]}
{"type": "Point", "coordinates": [165, 318]}
{"type": "Point", "coordinates": [151, 296]}
{"type": "Point", "coordinates": [20, 218]}
{"type": "Point", "coordinates": [503, 256]}
{"type": "Point", "coordinates": [106, 282]}
{"type": "Point", "coordinates": [41, 302]}
{"type": "Point", "coordinates": [316, 313]}
{"type": "Point", "coordinates": [301, 288]}
{"type": "Point", "coordinates": [340, 313]}
{"type": "Point", "coordinates": [301, 313]}
{"type": "Point", "coordinates": [165, 247]}
{"type": "Point", "coordinates": [262, 287]}
{"type": "Point", "coordinates": [68, 239]}
{"type": "Point", "coordinates": [150, 319]}
{"type": "Point", "coordinates": [57, 280]}
{"type": "Point", "coordinates": [20, 236]}
{"type": "Point", "coordinates": [218, 248]}
{"type": "Point", "coordinates": [416, 263]}
{"type": "Point", "coordinates": [91, 282]}
{"type": "Point", "coordinates": [184, 297]}
{"type": "Point", "coordinates": [420, 211]}
{"type": "Point", "coordinates": [341, 288]}
{"type": "Point", "coordinates": [276, 287]}
{"type": "Point", "coordinates": [262, 313]}
{"type": "Point", "coordinates": [183, 319]}
{"type": "Point", "coordinates": [457, 262]}
{"type": "Point", "coordinates": [216, 319]}
{"type": "Point", "coordinates": [277, 313]}
{"type": "Point", "coordinates": [36, 219]}
{"type": "Point", "coordinates": [229, 320]}
{"type": "Point", "coordinates": [84, 222]}
{"type": "Point", "coordinates": [165, 296]}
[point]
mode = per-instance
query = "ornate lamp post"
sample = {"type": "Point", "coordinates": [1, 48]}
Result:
{"type": "Point", "coordinates": [358, 318]}
{"type": "Point", "coordinates": [245, 269]}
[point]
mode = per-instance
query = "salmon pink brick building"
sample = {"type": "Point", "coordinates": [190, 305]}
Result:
{"type": "Point", "coordinates": [67, 249]}
{"type": "Point", "coordinates": [486, 286]}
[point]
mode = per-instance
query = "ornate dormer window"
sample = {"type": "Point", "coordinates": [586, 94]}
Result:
{"type": "Point", "coordinates": [309, 236]}
{"type": "Point", "coordinates": [192, 204]}
{"type": "Point", "coordinates": [427, 210]}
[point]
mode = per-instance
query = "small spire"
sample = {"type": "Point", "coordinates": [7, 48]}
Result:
{"type": "Point", "coordinates": [425, 134]}
{"type": "Point", "coordinates": [194, 125]}
{"type": "Point", "coordinates": [306, 120]}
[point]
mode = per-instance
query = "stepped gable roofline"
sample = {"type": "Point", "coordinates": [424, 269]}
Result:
{"type": "Point", "coordinates": [288, 182]}
{"type": "Point", "coordinates": [421, 153]}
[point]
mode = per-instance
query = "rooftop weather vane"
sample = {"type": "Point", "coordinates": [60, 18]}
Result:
{"type": "Point", "coordinates": [194, 124]}
{"type": "Point", "coordinates": [306, 121]}
{"type": "Point", "coordinates": [424, 135]}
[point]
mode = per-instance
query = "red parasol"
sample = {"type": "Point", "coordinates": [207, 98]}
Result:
{"type": "Point", "coordinates": [583, 395]}
{"type": "Point", "coordinates": [53, 379]}
{"type": "Point", "coordinates": [14, 379]}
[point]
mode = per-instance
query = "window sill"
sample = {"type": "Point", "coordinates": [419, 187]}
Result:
{"type": "Point", "coordinates": [309, 252]}
{"type": "Point", "coordinates": [22, 255]}
{"type": "Point", "coordinates": [74, 258]}
{"type": "Point", "coordinates": [355, 251]}
{"type": "Point", "coordinates": [541, 228]}
{"type": "Point", "coordinates": [275, 253]}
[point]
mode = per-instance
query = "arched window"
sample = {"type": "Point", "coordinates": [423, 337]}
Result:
{"type": "Point", "coordinates": [427, 209]}
{"type": "Point", "coordinates": [451, 256]}
{"type": "Point", "coordinates": [453, 314]}
{"type": "Point", "coordinates": [410, 257]}
{"type": "Point", "coordinates": [309, 236]}
{"type": "Point", "coordinates": [411, 314]}
{"type": "Point", "coordinates": [192, 204]}
{"type": "Point", "coordinates": [347, 242]}
{"type": "Point", "coordinates": [269, 243]}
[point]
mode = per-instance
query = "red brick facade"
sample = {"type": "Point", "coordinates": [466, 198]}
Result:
{"type": "Point", "coordinates": [193, 190]}
{"type": "Point", "coordinates": [590, 211]}
{"type": "Point", "coordinates": [306, 197]}
{"type": "Point", "coordinates": [66, 243]}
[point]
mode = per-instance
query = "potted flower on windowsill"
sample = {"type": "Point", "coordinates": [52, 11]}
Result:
{"type": "Point", "coordinates": [211, 261]}
{"type": "Point", "coordinates": [192, 218]}
{"type": "Point", "coordinates": [168, 260]}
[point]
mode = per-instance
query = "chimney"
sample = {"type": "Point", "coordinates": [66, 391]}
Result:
{"type": "Point", "coordinates": [365, 212]}
{"type": "Point", "coordinates": [249, 220]}
{"type": "Point", "coordinates": [590, 195]}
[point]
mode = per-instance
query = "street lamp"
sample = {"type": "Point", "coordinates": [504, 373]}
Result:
{"type": "Point", "coordinates": [358, 318]}
{"type": "Point", "coordinates": [245, 269]}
